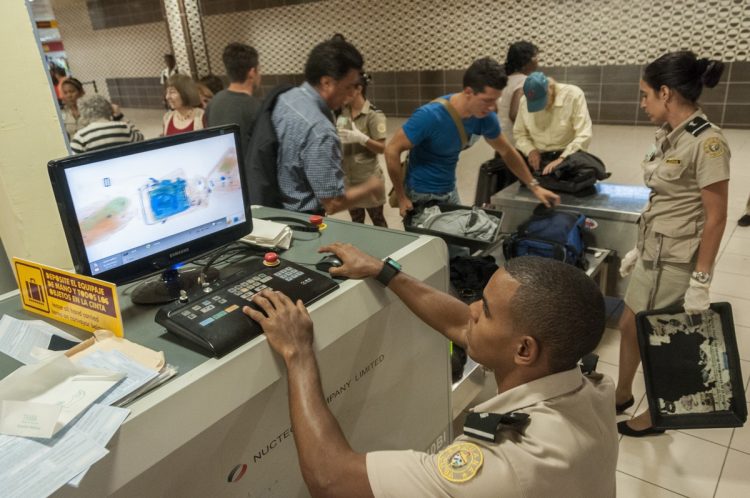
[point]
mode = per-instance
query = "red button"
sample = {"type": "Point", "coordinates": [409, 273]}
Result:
{"type": "Point", "coordinates": [271, 259]}
{"type": "Point", "coordinates": [316, 219]}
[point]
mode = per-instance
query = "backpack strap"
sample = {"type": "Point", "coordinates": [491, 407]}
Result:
{"type": "Point", "coordinates": [456, 120]}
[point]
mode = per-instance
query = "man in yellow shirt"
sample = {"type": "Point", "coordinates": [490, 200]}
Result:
{"type": "Point", "coordinates": [553, 122]}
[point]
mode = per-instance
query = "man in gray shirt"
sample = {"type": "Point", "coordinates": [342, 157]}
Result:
{"type": "Point", "coordinates": [236, 104]}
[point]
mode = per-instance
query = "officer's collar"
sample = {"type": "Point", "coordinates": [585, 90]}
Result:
{"type": "Point", "coordinates": [309, 89]}
{"type": "Point", "coordinates": [365, 109]}
{"type": "Point", "coordinates": [533, 392]}
{"type": "Point", "coordinates": [672, 135]}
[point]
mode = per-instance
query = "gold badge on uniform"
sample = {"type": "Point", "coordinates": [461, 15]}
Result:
{"type": "Point", "coordinates": [381, 128]}
{"type": "Point", "coordinates": [460, 462]}
{"type": "Point", "coordinates": [713, 147]}
{"type": "Point", "coordinates": [673, 160]}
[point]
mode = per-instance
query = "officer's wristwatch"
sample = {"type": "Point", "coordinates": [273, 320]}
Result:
{"type": "Point", "coordinates": [701, 277]}
{"type": "Point", "coordinates": [390, 270]}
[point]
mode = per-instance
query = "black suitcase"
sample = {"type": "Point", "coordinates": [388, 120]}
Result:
{"type": "Point", "coordinates": [493, 177]}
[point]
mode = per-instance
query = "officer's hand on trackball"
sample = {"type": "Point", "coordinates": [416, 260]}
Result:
{"type": "Point", "coordinates": [628, 262]}
{"type": "Point", "coordinates": [353, 137]}
{"type": "Point", "coordinates": [287, 325]}
{"type": "Point", "coordinates": [696, 297]}
{"type": "Point", "coordinates": [356, 264]}
{"type": "Point", "coordinates": [535, 159]}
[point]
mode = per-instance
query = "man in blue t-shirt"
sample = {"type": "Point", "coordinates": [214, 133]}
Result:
{"type": "Point", "coordinates": [435, 143]}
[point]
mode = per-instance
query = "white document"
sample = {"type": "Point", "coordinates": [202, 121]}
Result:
{"type": "Point", "coordinates": [100, 423]}
{"type": "Point", "coordinates": [269, 234]}
{"type": "Point", "coordinates": [30, 468]}
{"type": "Point", "coordinates": [23, 418]}
{"type": "Point", "coordinates": [58, 383]}
{"type": "Point", "coordinates": [136, 375]}
{"type": "Point", "coordinates": [23, 339]}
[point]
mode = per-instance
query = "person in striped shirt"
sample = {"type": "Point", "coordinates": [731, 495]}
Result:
{"type": "Point", "coordinates": [101, 131]}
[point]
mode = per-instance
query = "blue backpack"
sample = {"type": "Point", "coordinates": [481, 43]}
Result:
{"type": "Point", "coordinates": [550, 234]}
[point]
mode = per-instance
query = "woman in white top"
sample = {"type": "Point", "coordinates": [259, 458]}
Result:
{"type": "Point", "coordinates": [519, 63]}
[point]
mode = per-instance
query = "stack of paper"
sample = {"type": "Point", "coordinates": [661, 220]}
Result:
{"type": "Point", "coordinates": [56, 412]}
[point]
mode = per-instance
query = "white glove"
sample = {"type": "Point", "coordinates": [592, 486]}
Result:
{"type": "Point", "coordinates": [628, 262]}
{"type": "Point", "coordinates": [696, 297]}
{"type": "Point", "coordinates": [353, 137]}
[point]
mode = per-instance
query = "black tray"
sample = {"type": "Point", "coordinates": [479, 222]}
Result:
{"type": "Point", "coordinates": [472, 244]}
{"type": "Point", "coordinates": [685, 366]}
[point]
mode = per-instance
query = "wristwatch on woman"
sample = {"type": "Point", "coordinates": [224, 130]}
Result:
{"type": "Point", "coordinates": [701, 277]}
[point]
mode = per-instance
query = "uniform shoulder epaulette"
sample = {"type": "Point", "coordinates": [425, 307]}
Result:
{"type": "Point", "coordinates": [697, 125]}
{"type": "Point", "coordinates": [374, 108]}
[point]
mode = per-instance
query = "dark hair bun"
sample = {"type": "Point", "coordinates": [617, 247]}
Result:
{"type": "Point", "coordinates": [710, 71]}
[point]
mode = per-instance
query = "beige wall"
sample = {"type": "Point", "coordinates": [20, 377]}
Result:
{"type": "Point", "coordinates": [30, 135]}
{"type": "Point", "coordinates": [397, 35]}
{"type": "Point", "coordinates": [125, 52]}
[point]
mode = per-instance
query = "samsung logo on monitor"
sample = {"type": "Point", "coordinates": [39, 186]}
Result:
{"type": "Point", "coordinates": [177, 253]}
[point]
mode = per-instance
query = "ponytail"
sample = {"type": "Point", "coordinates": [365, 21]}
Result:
{"type": "Point", "coordinates": [684, 73]}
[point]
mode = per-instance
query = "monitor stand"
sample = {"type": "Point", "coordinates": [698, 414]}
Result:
{"type": "Point", "coordinates": [166, 287]}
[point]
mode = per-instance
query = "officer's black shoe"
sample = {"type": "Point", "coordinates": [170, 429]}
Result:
{"type": "Point", "coordinates": [744, 221]}
{"type": "Point", "coordinates": [625, 405]}
{"type": "Point", "coordinates": [624, 429]}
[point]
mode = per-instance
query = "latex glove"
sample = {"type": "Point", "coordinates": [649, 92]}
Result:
{"type": "Point", "coordinates": [696, 297]}
{"type": "Point", "coordinates": [628, 262]}
{"type": "Point", "coordinates": [353, 137]}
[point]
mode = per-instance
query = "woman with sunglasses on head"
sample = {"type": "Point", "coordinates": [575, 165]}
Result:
{"type": "Point", "coordinates": [71, 90]}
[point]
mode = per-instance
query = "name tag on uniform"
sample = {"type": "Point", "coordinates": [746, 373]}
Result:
{"type": "Point", "coordinates": [673, 161]}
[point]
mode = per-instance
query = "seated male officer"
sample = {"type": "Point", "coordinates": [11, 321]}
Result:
{"type": "Point", "coordinates": [309, 155]}
{"type": "Point", "coordinates": [552, 123]}
{"type": "Point", "coordinates": [553, 431]}
{"type": "Point", "coordinates": [435, 142]}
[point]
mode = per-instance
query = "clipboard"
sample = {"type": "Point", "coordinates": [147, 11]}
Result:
{"type": "Point", "coordinates": [692, 370]}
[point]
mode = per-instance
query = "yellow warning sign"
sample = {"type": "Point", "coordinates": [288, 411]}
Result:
{"type": "Point", "coordinates": [83, 302]}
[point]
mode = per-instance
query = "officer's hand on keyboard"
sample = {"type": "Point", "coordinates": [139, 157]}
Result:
{"type": "Point", "coordinates": [287, 325]}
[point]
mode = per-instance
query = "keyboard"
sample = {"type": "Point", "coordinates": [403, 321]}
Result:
{"type": "Point", "coordinates": [212, 317]}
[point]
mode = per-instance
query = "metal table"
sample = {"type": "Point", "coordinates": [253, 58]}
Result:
{"type": "Point", "coordinates": [614, 207]}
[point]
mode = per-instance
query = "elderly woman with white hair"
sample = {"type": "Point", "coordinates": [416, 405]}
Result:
{"type": "Point", "coordinates": [101, 131]}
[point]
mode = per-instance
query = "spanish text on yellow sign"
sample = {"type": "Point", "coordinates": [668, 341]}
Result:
{"type": "Point", "coordinates": [83, 302]}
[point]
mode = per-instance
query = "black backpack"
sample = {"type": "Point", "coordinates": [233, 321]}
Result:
{"type": "Point", "coordinates": [262, 155]}
{"type": "Point", "coordinates": [550, 234]}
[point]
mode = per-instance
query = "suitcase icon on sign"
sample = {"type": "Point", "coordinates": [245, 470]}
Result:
{"type": "Point", "coordinates": [35, 291]}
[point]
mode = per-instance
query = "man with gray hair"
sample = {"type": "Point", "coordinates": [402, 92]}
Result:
{"type": "Point", "coordinates": [101, 131]}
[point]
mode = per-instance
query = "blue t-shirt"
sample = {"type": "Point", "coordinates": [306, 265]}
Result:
{"type": "Point", "coordinates": [437, 144]}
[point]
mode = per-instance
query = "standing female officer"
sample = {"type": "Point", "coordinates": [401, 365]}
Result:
{"type": "Point", "coordinates": [680, 229]}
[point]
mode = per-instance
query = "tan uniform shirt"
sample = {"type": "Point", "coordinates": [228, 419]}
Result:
{"type": "Point", "coordinates": [565, 126]}
{"type": "Point", "coordinates": [568, 448]}
{"type": "Point", "coordinates": [360, 163]}
{"type": "Point", "coordinates": [680, 165]}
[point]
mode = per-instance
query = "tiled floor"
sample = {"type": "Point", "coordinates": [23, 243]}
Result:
{"type": "Point", "coordinates": [696, 463]}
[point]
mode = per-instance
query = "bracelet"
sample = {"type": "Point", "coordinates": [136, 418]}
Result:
{"type": "Point", "coordinates": [533, 183]}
